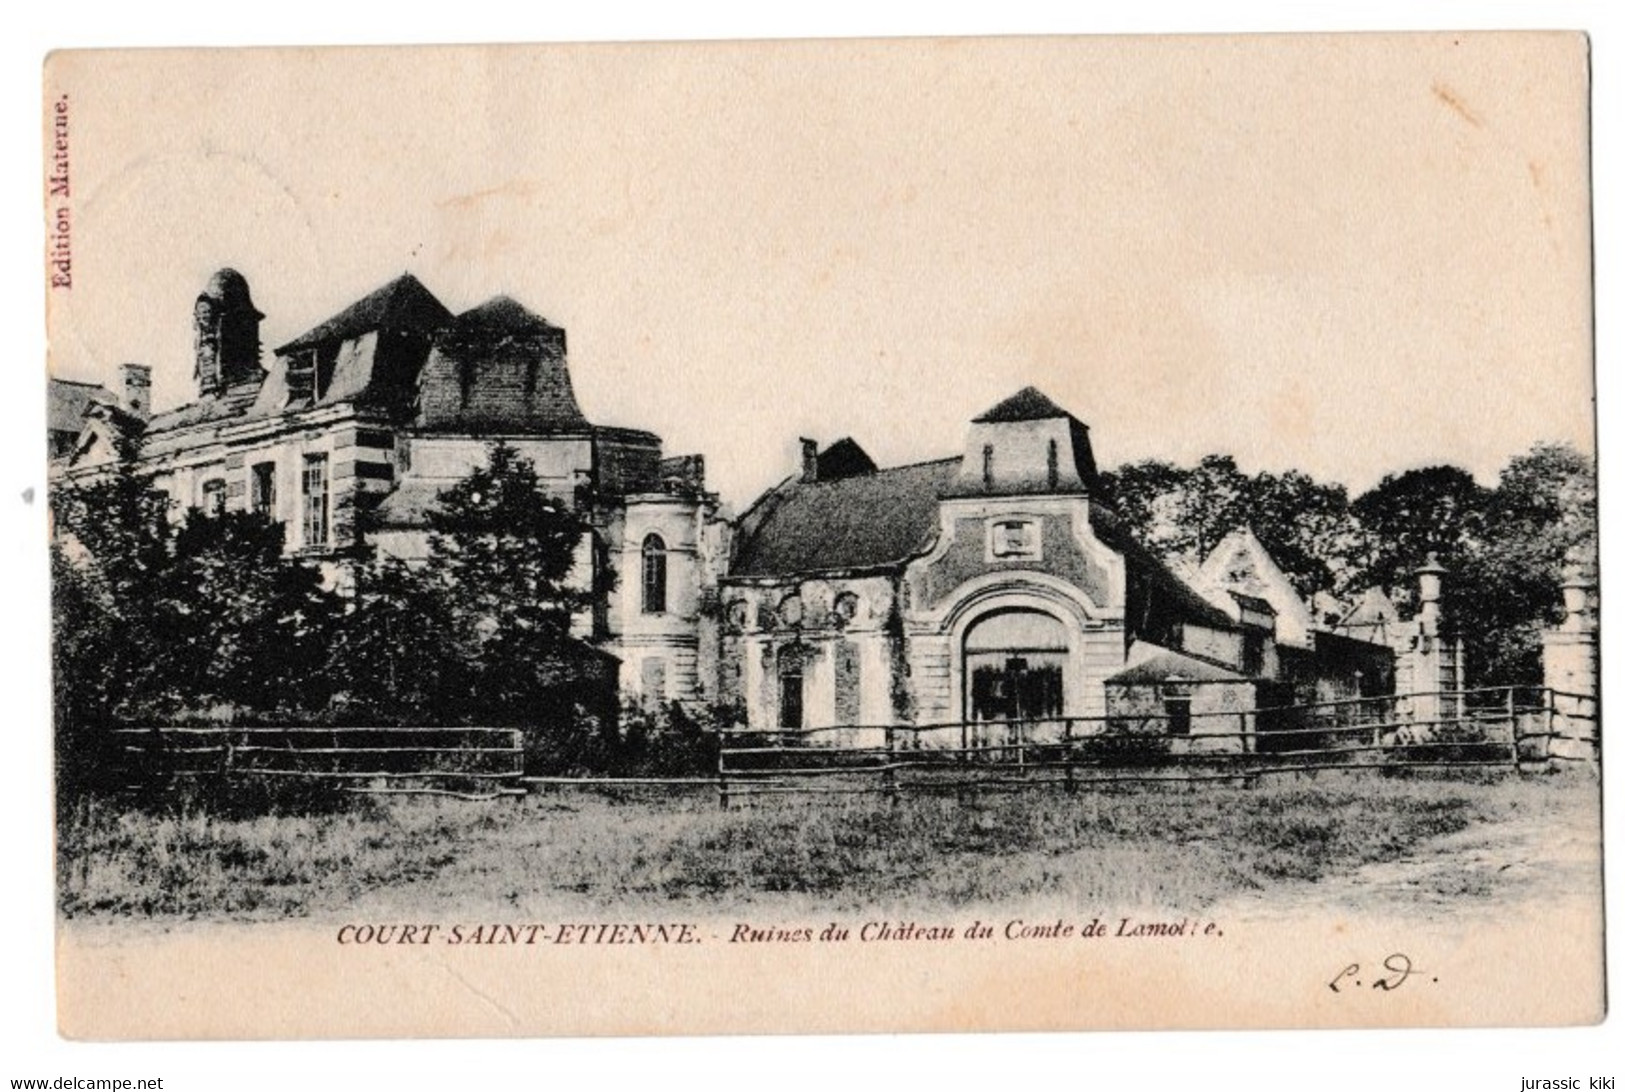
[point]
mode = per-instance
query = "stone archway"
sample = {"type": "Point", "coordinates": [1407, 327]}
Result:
{"type": "Point", "coordinates": [1015, 662]}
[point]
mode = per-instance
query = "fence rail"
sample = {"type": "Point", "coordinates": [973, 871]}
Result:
{"type": "Point", "coordinates": [470, 763]}
{"type": "Point", "coordinates": [1486, 728]}
{"type": "Point", "coordinates": [1504, 727]}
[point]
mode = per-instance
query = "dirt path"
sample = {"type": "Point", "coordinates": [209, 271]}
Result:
{"type": "Point", "coordinates": [1485, 870]}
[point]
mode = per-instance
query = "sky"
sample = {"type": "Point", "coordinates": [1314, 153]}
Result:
{"type": "Point", "coordinates": [1347, 255]}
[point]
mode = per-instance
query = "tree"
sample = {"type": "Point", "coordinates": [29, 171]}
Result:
{"type": "Point", "coordinates": [154, 619]}
{"type": "Point", "coordinates": [504, 556]}
{"type": "Point", "coordinates": [1436, 511]}
{"type": "Point", "coordinates": [1503, 548]}
{"type": "Point", "coordinates": [1542, 511]}
{"type": "Point", "coordinates": [112, 544]}
{"type": "Point", "coordinates": [1183, 513]}
{"type": "Point", "coordinates": [1307, 528]}
{"type": "Point", "coordinates": [245, 626]}
{"type": "Point", "coordinates": [394, 657]}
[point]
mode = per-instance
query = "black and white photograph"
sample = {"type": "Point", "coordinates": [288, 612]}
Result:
{"type": "Point", "coordinates": [979, 534]}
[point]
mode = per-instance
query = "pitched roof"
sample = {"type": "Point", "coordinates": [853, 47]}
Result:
{"type": "Point", "coordinates": [401, 305]}
{"type": "Point", "coordinates": [235, 403]}
{"type": "Point", "coordinates": [1027, 404]}
{"type": "Point", "coordinates": [1241, 563]}
{"type": "Point", "coordinates": [1168, 666]}
{"type": "Point", "coordinates": [863, 522]}
{"type": "Point", "coordinates": [844, 459]}
{"type": "Point", "coordinates": [1374, 608]}
{"type": "Point", "coordinates": [881, 520]}
{"type": "Point", "coordinates": [1160, 580]}
{"type": "Point", "coordinates": [502, 315]}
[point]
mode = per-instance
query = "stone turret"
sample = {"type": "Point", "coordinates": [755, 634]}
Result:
{"type": "Point", "coordinates": [225, 335]}
{"type": "Point", "coordinates": [1027, 444]}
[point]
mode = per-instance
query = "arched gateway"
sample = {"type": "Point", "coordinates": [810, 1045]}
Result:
{"type": "Point", "coordinates": [1015, 666]}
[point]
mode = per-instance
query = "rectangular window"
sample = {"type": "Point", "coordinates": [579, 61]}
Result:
{"type": "Point", "coordinates": [848, 683]}
{"type": "Point", "coordinates": [1252, 653]}
{"type": "Point", "coordinates": [262, 488]}
{"type": "Point", "coordinates": [313, 487]}
{"type": "Point", "coordinates": [214, 496]}
{"type": "Point", "coordinates": [790, 705]}
{"type": "Point", "coordinates": [1179, 716]}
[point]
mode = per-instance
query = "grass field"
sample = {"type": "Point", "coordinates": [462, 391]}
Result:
{"type": "Point", "coordinates": [1179, 847]}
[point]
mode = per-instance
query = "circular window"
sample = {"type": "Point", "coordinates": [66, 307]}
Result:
{"type": "Point", "coordinates": [790, 610]}
{"type": "Point", "coordinates": [846, 606]}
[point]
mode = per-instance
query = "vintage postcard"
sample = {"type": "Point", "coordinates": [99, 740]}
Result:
{"type": "Point", "coordinates": [824, 536]}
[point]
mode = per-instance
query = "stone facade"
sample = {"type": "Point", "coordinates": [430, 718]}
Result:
{"type": "Point", "coordinates": [967, 598]}
{"type": "Point", "coordinates": [381, 407]}
{"type": "Point", "coordinates": [957, 597]}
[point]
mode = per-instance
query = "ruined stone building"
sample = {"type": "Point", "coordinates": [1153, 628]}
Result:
{"type": "Point", "coordinates": [995, 586]}
{"type": "Point", "coordinates": [988, 587]}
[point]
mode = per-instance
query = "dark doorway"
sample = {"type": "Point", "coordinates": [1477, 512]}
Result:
{"type": "Point", "coordinates": [1015, 677]}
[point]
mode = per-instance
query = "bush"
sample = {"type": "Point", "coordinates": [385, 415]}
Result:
{"type": "Point", "coordinates": [1120, 746]}
{"type": "Point", "coordinates": [665, 741]}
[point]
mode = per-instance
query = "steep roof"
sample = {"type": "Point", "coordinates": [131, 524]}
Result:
{"type": "Point", "coordinates": [502, 316]}
{"type": "Point", "coordinates": [883, 519]}
{"type": "Point", "coordinates": [402, 305]}
{"type": "Point", "coordinates": [844, 459]}
{"type": "Point", "coordinates": [498, 367]}
{"type": "Point", "coordinates": [1168, 665]}
{"type": "Point", "coordinates": [66, 401]}
{"type": "Point", "coordinates": [1027, 404]}
{"type": "Point", "coordinates": [862, 522]}
{"type": "Point", "coordinates": [1240, 563]}
{"type": "Point", "coordinates": [1159, 580]}
{"type": "Point", "coordinates": [1373, 609]}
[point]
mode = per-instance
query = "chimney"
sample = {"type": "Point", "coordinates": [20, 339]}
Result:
{"type": "Point", "coordinates": [1429, 581]}
{"type": "Point", "coordinates": [809, 460]}
{"type": "Point", "coordinates": [136, 392]}
{"type": "Point", "coordinates": [206, 346]}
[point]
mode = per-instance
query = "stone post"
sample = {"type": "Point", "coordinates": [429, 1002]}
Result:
{"type": "Point", "coordinates": [1569, 656]}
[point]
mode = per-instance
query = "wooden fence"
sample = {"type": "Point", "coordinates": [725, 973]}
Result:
{"type": "Point", "coordinates": [471, 763]}
{"type": "Point", "coordinates": [1511, 727]}
{"type": "Point", "coordinates": [1504, 727]}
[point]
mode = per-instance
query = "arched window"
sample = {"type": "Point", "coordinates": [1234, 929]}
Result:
{"type": "Point", "coordinates": [654, 575]}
